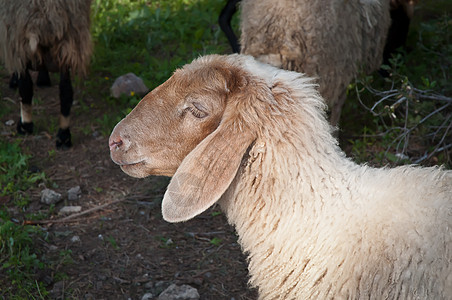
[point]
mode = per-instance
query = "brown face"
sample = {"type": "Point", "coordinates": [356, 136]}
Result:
{"type": "Point", "coordinates": [167, 124]}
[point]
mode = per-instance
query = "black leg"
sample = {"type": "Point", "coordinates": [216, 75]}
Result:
{"type": "Point", "coordinates": [225, 23]}
{"type": "Point", "coordinates": [14, 81]}
{"type": "Point", "coordinates": [63, 140]}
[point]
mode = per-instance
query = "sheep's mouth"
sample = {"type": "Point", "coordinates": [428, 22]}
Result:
{"type": "Point", "coordinates": [132, 165]}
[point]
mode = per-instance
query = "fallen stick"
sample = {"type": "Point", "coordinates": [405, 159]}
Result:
{"type": "Point", "coordinates": [71, 217]}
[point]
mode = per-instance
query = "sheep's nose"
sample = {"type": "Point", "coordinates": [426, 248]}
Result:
{"type": "Point", "coordinates": [115, 143]}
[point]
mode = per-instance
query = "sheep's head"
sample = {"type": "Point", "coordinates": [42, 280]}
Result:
{"type": "Point", "coordinates": [187, 127]}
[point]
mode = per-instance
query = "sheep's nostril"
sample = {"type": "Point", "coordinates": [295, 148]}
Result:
{"type": "Point", "coordinates": [115, 143]}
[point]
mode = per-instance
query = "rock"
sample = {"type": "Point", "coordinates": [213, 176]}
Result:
{"type": "Point", "coordinates": [9, 123]}
{"type": "Point", "coordinates": [128, 84]}
{"type": "Point", "coordinates": [183, 292]}
{"type": "Point", "coordinates": [74, 193]}
{"type": "Point", "coordinates": [57, 289]}
{"type": "Point", "coordinates": [70, 209]}
{"type": "Point", "coordinates": [75, 239]}
{"type": "Point", "coordinates": [49, 197]}
{"type": "Point", "coordinates": [147, 296]}
{"type": "Point", "coordinates": [89, 296]}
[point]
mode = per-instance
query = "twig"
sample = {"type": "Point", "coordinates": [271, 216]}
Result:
{"type": "Point", "coordinates": [206, 234]}
{"type": "Point", "coordinates": [71, 217]}
{"type": "Point", "coordinates": [404, 95]}
{"type": "Point", "coordinates": [9, 99]}
{"type": "Point", "coordinates": [121, 281]}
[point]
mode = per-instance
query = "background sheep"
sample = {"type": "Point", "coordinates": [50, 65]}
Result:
{"type": "Point", "coordinates": [331, 40]}
{"type": "Point", "coordinates": [254, 138]}
{"type": "Point", "coordinates": [41, 35]}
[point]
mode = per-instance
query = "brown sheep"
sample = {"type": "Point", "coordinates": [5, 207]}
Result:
{"type": "Point", "coordinates": [314, 224]}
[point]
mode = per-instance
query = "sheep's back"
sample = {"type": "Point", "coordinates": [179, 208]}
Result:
{"type": "Point", "coordinates": [331, 40]}
{"type": "Point", "coordinates": [51, 32]}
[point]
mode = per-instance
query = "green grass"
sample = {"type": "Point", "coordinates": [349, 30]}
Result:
{"type": "Point", "coordinates": [153, 38]}
{"type": "Point", "coordinates": [18, 258]}
{"type": "Point", "coordinates": [19, 261]}
{"type": "Point", "coordinates": [15, 178]}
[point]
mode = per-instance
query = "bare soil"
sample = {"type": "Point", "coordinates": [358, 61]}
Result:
{"type": "Point", "coordinates": [124, 248]}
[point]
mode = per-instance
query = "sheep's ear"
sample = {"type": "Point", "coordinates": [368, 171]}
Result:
{"type": "Point", "coordinates": [205, 174]}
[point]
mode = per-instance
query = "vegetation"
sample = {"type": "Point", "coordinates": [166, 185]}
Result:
{"type": "Point", "coordinates": [404, 118]}
{"type": "Point", "coordinates": [407, 116]}
{"type": "Point", "coordinates": [18, 256]}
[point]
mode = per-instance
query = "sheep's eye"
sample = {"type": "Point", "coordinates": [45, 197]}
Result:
{"type": "Point", "coordinates": [197, 110]}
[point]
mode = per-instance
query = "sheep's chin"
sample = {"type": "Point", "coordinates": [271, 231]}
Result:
{"type": "Point", "coordinates": [137, 170]}
{"type": "Point", "coordinates": [141, 170]}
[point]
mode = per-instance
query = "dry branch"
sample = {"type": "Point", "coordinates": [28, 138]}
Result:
{"type": "Point", "coordinates": [398, 104]}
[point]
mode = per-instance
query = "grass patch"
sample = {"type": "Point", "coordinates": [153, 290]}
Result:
{"type": "Point", "coordinates": [152, 39]}
{"type": "Point", "coordinates": [15, 177]}
{"type": "Point", "coordinates": [19, 261]}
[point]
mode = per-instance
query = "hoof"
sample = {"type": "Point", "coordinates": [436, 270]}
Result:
{"type": "Point", "coordinates": [63, 139]}
{"type": "Point", "coordinates": [25, 128]}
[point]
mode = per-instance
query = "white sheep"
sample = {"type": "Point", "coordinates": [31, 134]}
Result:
{"type": "Point", "coordinates": [314, 224]}
{"type": "Point", "coordinates": [43, 35]}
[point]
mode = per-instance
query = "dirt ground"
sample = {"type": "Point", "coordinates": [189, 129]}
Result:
{"type": "Point", "coordinates": [119, 247]}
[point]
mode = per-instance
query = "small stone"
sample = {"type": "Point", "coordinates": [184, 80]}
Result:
{"type": "Point", "coordinates": [49, 197]}
{"type": "Point", "coordinates": [129, 85]}
{"type": "Point", "coordinates": [89, 296]}
{"type": "Point", "coordinates": [183, 292]}
{"type": "Point", "coordinates": [102, 277]}
{"type": "Point", "coordinates": [75, 239]}
{"type": "Point", "coordinates": [58, 287]}
{"type": "Point", "coordinates": [74, 193]}
{"type": "Point", "coordinates": [147, 296]}
{"type": "Point", "coordinates": [9, 123]}
{"type": "Point", "coordinates": [70, 209]}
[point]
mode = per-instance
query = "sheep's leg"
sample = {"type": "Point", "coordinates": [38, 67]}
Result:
{"type": "Point", "coordinates": [63, 140]}
{"type": "Point", "coordinates": [43, 78]}
{"type": "Point", "coordinates": [25, 124]}
{"type": "Point", "coordinates": [14, 81]}
{"type": "Point", "coordinates": [225, 24]}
